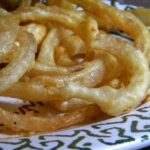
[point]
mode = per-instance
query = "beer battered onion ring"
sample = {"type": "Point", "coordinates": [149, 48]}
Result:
{"type": "Point", "coordinates": [46, 57]}
{"type": "Point", "coordinates": [37, 85]}
{"type": "Point", "coordinates": [8, 33]}
{"type": "Point", "coordinates": [29, 123]}
{"type": "Point", "coordinates": [73, 20]}
{"type": "Point", "coordinates": [116, 101]}
{"type": "Point", "coordinates": [44, 87]}
{"type": "Point", "coordinates": [21, 62]}
{"type": "Point", "coordinates": [111, 19]}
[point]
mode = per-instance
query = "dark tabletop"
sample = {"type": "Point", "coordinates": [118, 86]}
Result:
{"type": "Point", "coordinates": [145, 3]}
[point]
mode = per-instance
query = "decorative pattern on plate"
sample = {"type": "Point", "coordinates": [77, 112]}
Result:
{"type": "Point", "coordinates": [130, 131]}
{"type": "Point", "coordinates": [121, 132]}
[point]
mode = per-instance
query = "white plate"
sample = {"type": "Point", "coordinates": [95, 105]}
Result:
{"type": "Point", "coordinates": [130, 131]}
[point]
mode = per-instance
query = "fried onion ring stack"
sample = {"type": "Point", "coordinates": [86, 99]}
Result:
{"type": "Point", "coordinates": [63, 54]}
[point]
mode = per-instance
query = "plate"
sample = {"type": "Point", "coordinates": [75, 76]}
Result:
{"type": "Point", "coordinates": [130, 131]}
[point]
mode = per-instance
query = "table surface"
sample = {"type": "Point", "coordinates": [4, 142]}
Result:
{"type": "Point", "coordinates": [145, 3]}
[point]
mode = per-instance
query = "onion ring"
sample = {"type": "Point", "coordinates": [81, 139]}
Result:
{"type": "Point", "coordinates": [116, 101]}
{"type": "Point", "coordinates": [8, 33]}
{"type": "Point", "coordinates": [21, 62]}
{"type": "Point", "coordinates": [111, 18]}
{"type": "Point", "coordinates": [29, 123]}
{"type": "Point", "coordinates": [38, 31]}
